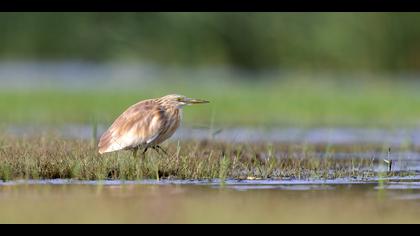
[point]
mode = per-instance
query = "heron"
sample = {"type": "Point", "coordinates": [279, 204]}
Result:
{"type": "Point", "coordinates": [146, 124]}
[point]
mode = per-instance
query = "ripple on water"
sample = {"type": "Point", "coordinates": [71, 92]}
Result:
{"type": "Point", "coordinates": [280, 187]}
{"type": "Point", "coordinates": [407, 197]}
{"type": "Point", "coordinates": [400, 186]}
{"type": "Point", "coordinates": [409, 182]}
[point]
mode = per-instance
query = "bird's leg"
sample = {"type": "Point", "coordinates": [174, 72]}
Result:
{"type": "Point", "coordinates": [143, 154]}
{"type": "Point", "coordinates": [157, 150]}
{"type": "Point", "coordinates": [160, 148]}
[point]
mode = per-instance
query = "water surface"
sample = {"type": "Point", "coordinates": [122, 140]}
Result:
{"type": "Point", "coordinates": [203, 202]}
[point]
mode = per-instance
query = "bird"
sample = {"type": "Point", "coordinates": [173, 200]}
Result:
{"type": "Point", "coordinates": [146, 124]}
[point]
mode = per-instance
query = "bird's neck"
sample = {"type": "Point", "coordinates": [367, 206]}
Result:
{"type": "Point", "coordinates": [175, 111]}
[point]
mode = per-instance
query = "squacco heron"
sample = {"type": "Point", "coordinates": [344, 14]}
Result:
{"type": "Point", "coordinates": [146, 124]}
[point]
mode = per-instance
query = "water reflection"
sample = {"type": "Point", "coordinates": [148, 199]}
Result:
{"type": "Point", "coordinates": [174, 203]}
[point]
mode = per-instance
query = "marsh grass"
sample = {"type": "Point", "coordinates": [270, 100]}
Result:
{"type": "Point", "coordinates": [50, 157]}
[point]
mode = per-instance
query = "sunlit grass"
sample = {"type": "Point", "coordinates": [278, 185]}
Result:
{"type": "Point", "coordinates": [280, 103]}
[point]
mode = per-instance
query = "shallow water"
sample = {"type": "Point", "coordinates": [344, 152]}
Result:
{"type": "Point", "coordinates": [415, 179]}
{"type": "Point", "coordinates": [258, 201]}
{"type": "Point", "coordinates": [333, 136]}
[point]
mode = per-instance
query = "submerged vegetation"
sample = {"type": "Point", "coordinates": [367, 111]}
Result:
{"type": "Point", "coordinates": [51, 157]}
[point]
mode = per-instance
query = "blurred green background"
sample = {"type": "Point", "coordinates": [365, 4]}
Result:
{"type": "Point", "coordinates": [258, 69]}
{"type": "Point", "coordinates": [252, 41]}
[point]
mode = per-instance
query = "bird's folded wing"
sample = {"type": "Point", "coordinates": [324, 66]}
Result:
{"type": "Point", "coordinates": [138, 125]}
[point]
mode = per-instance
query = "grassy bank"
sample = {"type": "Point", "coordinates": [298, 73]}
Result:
{"type": "Point", "coordinates": [287, 103]}
{"type": "Point", "coordinates": [51, 157]}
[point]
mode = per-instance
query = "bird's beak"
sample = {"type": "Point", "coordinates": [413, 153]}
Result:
{"type": "Point", "coordinates": [195, 101]}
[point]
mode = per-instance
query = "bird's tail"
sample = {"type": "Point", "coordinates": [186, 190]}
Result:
{"type": "Point", "coordinates": [104, 143]}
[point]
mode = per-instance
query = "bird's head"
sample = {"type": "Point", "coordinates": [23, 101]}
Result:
{"type": "Point", "coordinates": [178, 101]}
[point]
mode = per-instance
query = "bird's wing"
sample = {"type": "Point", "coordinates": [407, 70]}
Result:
{"type": "Point", "coordinates": [138, 125]}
